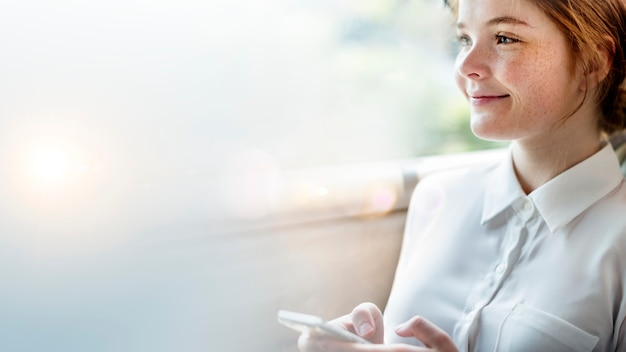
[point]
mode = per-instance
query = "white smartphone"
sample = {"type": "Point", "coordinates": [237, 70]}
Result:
{"type": "Point", "coordinates": [313, 325]}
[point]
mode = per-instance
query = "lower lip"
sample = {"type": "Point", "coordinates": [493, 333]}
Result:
{"type": "Point", "coordinates": [486, 100]}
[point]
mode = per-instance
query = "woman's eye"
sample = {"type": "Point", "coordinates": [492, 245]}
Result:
{"type": "Point", "coordinates": [502, 39]}
{"type": "Point", "coordinates": [463, 40]}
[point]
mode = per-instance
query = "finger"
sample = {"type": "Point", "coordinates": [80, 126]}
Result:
{"type": "Point", "coordinates": [313, 343]}
{"type": "Point", "coordinates": [367, 321]}
{"type": "Point", "coordinates": [305, 344]}
{"type": "Point", "coordinates": [308, 343]}
{"type": "Point", "coordinates": [428, 333]}
{"type": "Point", "coordinates": [328, 344]}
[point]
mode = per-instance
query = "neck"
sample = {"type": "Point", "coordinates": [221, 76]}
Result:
{"type": "Point", "coordinates": [539, 160]}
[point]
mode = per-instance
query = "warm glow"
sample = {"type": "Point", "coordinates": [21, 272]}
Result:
{"type": "Point", "coordinates": [49, 165]}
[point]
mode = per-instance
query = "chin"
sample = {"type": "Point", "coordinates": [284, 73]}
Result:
{"type": "Point", "coordinates": [490, 133]}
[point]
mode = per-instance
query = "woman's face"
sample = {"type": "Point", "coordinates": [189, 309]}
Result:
{"type": "Point", "coordinates": [516, 69]}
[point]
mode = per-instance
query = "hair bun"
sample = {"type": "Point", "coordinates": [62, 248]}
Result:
{"type": "Point", "coordinates": [616, 121]}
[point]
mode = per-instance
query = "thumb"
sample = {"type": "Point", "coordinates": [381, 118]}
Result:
{"type": "Point", "coordinates": [367, 321]}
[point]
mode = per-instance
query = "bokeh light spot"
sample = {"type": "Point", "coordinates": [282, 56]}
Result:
{"type": "Point", "coordinates": [48, 165]}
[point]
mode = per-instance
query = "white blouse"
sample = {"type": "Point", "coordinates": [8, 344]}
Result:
{"type": "Point", "coordinates": [502, 271]}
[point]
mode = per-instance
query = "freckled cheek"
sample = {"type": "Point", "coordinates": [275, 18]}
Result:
{"type": "Point", "coordinates": [549, 88]}
{"type": "Point", "coordinates": [536, 88]}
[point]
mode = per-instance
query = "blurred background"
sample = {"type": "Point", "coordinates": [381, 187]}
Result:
{"type": "Point", "coordinates": [129, 130]}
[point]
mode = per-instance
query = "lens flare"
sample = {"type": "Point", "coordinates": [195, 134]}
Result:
{"type": "Point", "coordinates": [49, 165]}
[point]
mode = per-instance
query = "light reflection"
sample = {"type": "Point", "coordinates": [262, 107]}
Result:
{"type": "Point", "coordinates": [322, 191]}
{"type": "Point", "coordinates": [381, 199]}
{"type": "Point", "coordinates": [58, 195]}
{"type": "Point", "coordinates": [48, 165]}
{"type": "Point", "coordinates": [254, 188]}
{"type": "Point", "coordinates": [83, 168]}
{"type": "Point", "coordinates": [306, 194]}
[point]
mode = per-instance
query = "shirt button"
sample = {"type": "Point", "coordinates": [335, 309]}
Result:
{"type": "Point", "coordinates": [528, 206]}
{"type": "Point", "coordinates": [500, 268]}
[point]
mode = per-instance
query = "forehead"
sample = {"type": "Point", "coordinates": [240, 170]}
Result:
{"type": "Point", "coordinates": [483, 12]}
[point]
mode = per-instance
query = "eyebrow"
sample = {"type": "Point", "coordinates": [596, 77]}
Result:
{"type": "Point", "coordinates": [500, 20]}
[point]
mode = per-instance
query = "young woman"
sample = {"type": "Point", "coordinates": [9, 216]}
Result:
{"type": "Point", "coordinates": [528, 254]}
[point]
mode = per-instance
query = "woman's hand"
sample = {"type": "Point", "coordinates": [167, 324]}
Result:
{"type": "Point", "coordinates": [366, 320]}
{"type": "Point", "coordinates": [429, 334]}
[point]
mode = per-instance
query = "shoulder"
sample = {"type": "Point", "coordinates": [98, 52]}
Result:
{"type": "Point", "coordinates": [605, 222]}
{"type": "Point", "coordinates": [456, 194]}
{"type": "Point", "coordinates": [610, 214]}
{"type": "Point", "coordinates": [611, 210]}
{"type": "Point", "coordinates": [613, 225]}
{"type": "Point", "coordinates": [463, 182]}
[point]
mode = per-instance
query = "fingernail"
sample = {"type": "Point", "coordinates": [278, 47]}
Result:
{"type": "Point", "coordinates": [401, 326]}
{"type": "Point", "coordinates": [364, 328]}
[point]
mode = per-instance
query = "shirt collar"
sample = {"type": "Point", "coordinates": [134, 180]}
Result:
{"type": "Point", "coordinates": [502, 189]}
{"type": "Point", "coordinates": [564, 197]}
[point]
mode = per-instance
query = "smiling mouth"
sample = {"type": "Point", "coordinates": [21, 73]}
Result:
{"type": "Point", "coordinates": [485, 99]}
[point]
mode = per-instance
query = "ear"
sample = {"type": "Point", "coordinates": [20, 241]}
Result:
{"type": "Point", "coordinates": [600, 68]}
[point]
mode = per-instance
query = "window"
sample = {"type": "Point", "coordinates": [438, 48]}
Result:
{"type": "Point", "coordinates": [129, 126]}
{"type": "Point", "coordinates": [312, 83]}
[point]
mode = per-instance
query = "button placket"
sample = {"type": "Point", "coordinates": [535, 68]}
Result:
{"type": "Point", "coordinates": [525, 209]}
{"type": "Point", "coordinates": [515, 236]}
{"type": "Point", "coordinates": [472, 315]}
{"type": "Point", "coordinates": [496, 276]}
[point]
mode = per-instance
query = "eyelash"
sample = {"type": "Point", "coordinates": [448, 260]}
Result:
{"type": "Point", "coordinates": [502, 39]}
{"type": "Point", "coordinates": [464, 40]}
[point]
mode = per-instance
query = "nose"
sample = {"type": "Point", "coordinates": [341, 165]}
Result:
{"type": "Point", "coordinates": [472, 62]}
